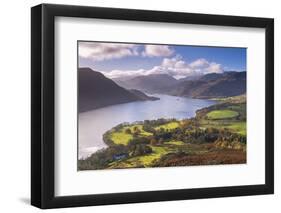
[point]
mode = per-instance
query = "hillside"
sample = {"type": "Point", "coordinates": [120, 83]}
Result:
{"type": "Point", "coordinates": [211, 86]}
{"type": "Point", "coordinates": [96, 91]}
{"type": "Point", "coordinates": [148, 83]}
{"type": "Point", "coordinates": [143, 96]}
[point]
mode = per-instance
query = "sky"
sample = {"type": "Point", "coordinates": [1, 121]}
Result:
{"type": "Point", "coordinates": [129, 60]}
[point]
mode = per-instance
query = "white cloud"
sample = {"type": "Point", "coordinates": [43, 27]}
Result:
{"type": "Point", "coordinates": [157, 51]}
{"type": "Point", "coordinates": [214, 68]}
{"type": "Point", "coordinates": [173, 62]}
{"type": "Point", "coordinates": [124, 73]}
{"type": "Point", "coordinates": [199, 63]}
{"type": "Point", "coordinates": [103, 51]}
{"type": "Point", "coordinates": [175, 67]}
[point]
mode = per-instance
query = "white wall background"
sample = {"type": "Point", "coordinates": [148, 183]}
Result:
{"type": "Point", "coordinates": [15, 105]}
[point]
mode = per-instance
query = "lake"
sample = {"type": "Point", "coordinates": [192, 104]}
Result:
{"type": "Point", "coordinates": [93, 124]}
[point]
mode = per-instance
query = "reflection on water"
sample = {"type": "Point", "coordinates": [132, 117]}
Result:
{"type": "Point", "coordinates": [93, 124]}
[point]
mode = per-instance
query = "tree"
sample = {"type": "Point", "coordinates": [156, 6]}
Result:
{"type": "Point", "coordinates": [140, 149]}
{"type": "Point", "coordinates": [136, 131]}
{"type": "Point", "coordinates": [153, 141]}
{"type": "Point", "coordinates": [161, 141]}
{"type": "Point", "coordinates": [128, 131]}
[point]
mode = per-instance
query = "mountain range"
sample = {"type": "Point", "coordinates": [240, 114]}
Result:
{"type": "Point", "coordinates": [213, 85]}
{"type": "Point", "coordinates": [96, 91]}
{"type": "Point", "coordinates": [153, 83]}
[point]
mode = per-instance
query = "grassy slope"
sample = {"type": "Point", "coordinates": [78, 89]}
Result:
{"type": "Point", "coordinates": [121, 137]}
{"type": "Point", "coordinates": [222, 114]}
{"type": "Point", "coordinates": [140, 127]}
{"type": "Point", "coordinates": [239, 127]}
{"type": "Point", "coordinates": [168, 126]}
{"type": "Point", "coordinates": [141, 161]}
{"type": "Point", "coordinates": [158, 152]}
{"type": "Point", "coordinates": [236, 104]}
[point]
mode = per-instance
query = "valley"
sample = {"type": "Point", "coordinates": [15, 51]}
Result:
{"type": "Point", "coordinates": [136, 130]}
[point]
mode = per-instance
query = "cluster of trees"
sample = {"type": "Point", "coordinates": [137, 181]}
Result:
{"type": "Point", "coordinates": [187, 132]}
{"type": "Point", "coordinates": [139, 149]}
{"type": "Point", "coordinates": [136, 131]}
{"type": "Point", "coordinates": [145, 123]}
{"type": "Point", "coordinates": [207, 135]}
{"type": "Point", "coordinates": [148, 125]}
{"type": "Point", "coordinates": [196, 135]}
{"type": "Point", "coordinates": [157, 122]}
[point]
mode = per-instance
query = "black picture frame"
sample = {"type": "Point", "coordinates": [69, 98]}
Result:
{"type": "Point", "coordinates": [43, 102]}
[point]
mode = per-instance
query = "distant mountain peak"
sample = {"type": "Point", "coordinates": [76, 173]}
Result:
{"type": "Point", "coordinates": [212, 85]}
{"type": "Point", "coordinates": [152, 83]}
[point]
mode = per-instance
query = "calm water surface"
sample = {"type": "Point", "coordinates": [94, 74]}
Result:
{"type": "Point", "coordinates": [93, 124]}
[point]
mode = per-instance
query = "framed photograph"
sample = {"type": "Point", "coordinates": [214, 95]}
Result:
{"type": "Point", "coordinates": [139, 106]}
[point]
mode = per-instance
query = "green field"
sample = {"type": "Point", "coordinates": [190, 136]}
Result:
{"type": "Point", "coordinates": [239, 127]}
{"type": "Point", "coordinates": [178, 143]}
{"type": "Point", "coordinates": [222, 114]}
{"type": "Point", "coordinates": [121, 137]}
{"type": "Point", "coordinates": [140, 127]}
{"type": "Point", "coordinates": [145, 160]}
{"type": "Point", "coordinates": [168, 126]}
